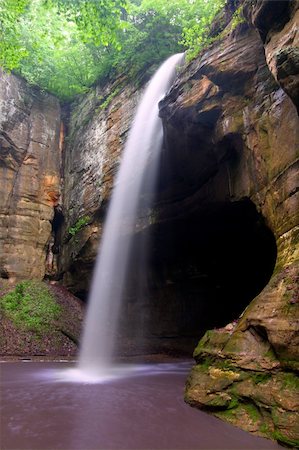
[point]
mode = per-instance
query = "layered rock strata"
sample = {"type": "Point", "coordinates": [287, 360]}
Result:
{"type": "Point", "coordinates": [30, 172]}
{"type": "Point", "coordinates": [97, 130]}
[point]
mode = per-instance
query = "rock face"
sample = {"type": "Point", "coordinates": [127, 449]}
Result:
{"type": "Point", "coordinates": [232, 136]}
{"type": "Point", "coordinates": [98, 127]}
{"type": "Point", "coordinates": [278, 28]}
{"type": "Point", "coordinates": [30, 177]}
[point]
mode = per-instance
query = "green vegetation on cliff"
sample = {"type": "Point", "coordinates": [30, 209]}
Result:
{"type": "Point", "coordinates": [37, 318]}
{"type": "Point", "coordinates": [64, 46]}
{"type": "Point", "coordinates": [81, 223]}
{"type": "Point", "coordinates": [30, 306]}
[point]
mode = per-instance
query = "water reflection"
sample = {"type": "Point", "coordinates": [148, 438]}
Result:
{"type": "Point", "coordinates": [141, 409]}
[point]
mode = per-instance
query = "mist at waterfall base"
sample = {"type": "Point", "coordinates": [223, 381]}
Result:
{"type": "Point", "coordinates": [137, 173]}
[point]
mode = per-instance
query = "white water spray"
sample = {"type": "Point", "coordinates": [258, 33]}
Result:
{"type": "Point", "coordinates": [145, 138]}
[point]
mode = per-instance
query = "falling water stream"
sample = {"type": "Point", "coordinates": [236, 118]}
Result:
{"type": "Point", "coordinates": [145, 139]}
{"type": "Point", "coordinates": [42, 406]}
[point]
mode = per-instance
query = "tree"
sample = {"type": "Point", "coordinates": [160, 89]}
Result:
{"type": "Point", "coordinates": [12, 51]}
{"type": "Point", "coordinates": [64, 46]}
{"type": "Point", "coordinates": [98, 21]}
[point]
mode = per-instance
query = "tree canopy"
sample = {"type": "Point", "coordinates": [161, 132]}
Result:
{"type": "Point", "coordinates": [65, 46]}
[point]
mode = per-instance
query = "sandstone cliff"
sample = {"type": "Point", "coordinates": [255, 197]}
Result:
{"type": "Point", "coordinates": [30, 172]}
{"type": "Point", "coordinates": [97, 129]}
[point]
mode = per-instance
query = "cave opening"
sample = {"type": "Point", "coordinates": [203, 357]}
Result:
{"type": "Point", "coordinates": [202, 272]}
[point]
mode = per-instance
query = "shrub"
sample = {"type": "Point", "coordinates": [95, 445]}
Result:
{"type": "Point", "coordinates": [81, 223]}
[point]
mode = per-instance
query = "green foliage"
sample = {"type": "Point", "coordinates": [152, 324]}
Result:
{"type": "Point", "coordinates": [270, 355]}
{"type": "Point", "coordinates": [12, 50]}
{"type": "Point", "coordinates": [57, 58]}
{"type": "Point", "coordinates": [108, 100]}
{"type": "Point", "coordinates": [98, 21]}
{"type": "Point", "coordinates": [195, 34]}
{"type": "Point", "coordinates": [224, 364]}
{"type": "Point", "coordinates": [205, 363]}
{"type": "Point", "coordinates": [229, 414]}
{"type": "Point", "coordinates": [65, 46]}
{"type": "Point", "coordinates": [81, 223]}
{"type": "Point", "coordinates": [31, 306]}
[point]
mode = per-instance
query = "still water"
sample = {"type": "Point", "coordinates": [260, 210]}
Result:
{"type": "Point", "coordinates": [142, 409]}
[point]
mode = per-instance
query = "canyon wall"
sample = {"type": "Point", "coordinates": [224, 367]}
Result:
{"type": "Point", "coordinates": [97, 130]}
{"type": "Point", "coordinates": [30, 172]}
{"type": "Point", "coordinates": [234, 112]}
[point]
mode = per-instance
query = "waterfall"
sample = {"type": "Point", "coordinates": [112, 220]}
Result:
{"type": "Point", "coordinates": [145, 139]}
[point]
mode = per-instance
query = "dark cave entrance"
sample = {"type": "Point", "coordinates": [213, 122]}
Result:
{"type": "Point", "coordinates": [203, 271]}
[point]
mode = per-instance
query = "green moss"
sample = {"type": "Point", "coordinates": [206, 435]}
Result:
{"type": "Point", "coordinates": [218, 402]}
{"type": "Point", "coordinates": [229, 414]}
{"type": "Point", "coordinates": [264, 428]}
{"type": "Point", "coordinates": [235, 409]}
{"type": "Point", "coordinates": [204, 364]}
{"type": "Point", "coordinates": [234, 403]}
{"type": "Point", "coordinates": [87, 119]}
{"type": "Point", "coordinates": [258, 378]}
{"type": "Point", "coordinates": [224, 364]}
{"type": "Point", "coordinates": [212, 340]}
{"type": "Point", "coordinates": [252, 411]}
{"type": "Point", "coordinates": [81, 223]}
{"type": "Point", "coordinates": [280, 437]}
{"type": "Point", "coordinates": [270, 355]}
{"type": "Point", "coordinates": [289, 363]}
{"type": "Point", "coordinates": [31, 306]}
{"type": "Point", "coordinates": [290, 381]}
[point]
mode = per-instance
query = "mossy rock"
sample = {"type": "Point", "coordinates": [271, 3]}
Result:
{"type": "Point", "coordinates": [212, 342]}
{"type": "Point", "coordinates": [286, 427]}
{"type": "Point", "coordinates": [244, 415]}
